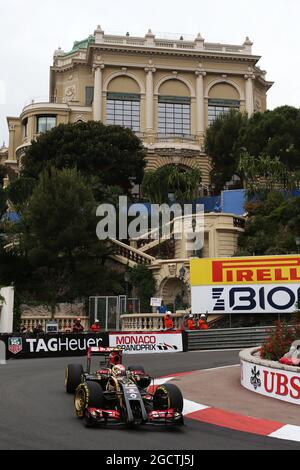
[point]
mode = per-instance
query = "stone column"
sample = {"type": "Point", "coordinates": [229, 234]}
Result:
{"type": "Point", "coordinates": [200, 102]}
{"type": "Point", "coordinates": [11, 147]}
{"type": "Point", "coordinates": [249, 94]}
{"type": "Point", "coordinates": [7, 311]}
{"type": "Point", "coordinates": [149, 99]}
{"type": "Point", "coordinates": [97, 104]}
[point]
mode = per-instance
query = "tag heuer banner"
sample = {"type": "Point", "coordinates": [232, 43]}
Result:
{"type": "Point", "coordinates": [15, 345]}
{"type": "Point", "coordinates": [52, 345]}
{"type": "Point", "coordinates": [265, 284]}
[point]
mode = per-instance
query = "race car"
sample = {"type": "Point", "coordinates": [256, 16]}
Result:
{"type": "Point", "coordinates": [115, 395]}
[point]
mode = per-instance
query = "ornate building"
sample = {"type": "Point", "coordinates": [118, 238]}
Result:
{"type": "Point", "coordinates": [167, 91]}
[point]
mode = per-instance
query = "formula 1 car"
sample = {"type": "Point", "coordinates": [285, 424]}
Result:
{"type": "Point", "coordinates": [115, 395]}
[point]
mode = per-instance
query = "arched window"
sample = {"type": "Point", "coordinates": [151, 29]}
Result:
{"type": "Point", "coordinates": [222, 98]}
{"type": "Point", "coordinates": [123, 103]}
{"type": "Point", "coordinates": [174, 109]}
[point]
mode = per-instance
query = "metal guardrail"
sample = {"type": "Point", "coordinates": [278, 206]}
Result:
{"type": "Point", "coordinates": [234, 338]}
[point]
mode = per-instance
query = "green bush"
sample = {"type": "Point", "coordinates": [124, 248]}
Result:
{"type": "Point", "coordinates": [279, 342]}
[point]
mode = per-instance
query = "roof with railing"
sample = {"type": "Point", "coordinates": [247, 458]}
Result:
{"type": "Point", "coordinates": [184, 42]}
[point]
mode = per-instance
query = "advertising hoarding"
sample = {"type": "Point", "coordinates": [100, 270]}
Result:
{"type": "Point", "coordinates": [280, 384]}
{"type": "Point", "coordinates": [265, 284]}
{"type": "Point", "coordinates": [147, 343]}
{"type": "Point", "coordinates": [57, 345]}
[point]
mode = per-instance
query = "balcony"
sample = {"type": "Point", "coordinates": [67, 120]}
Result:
{"type": "Point", "coordinates": [158, 140]}
{"type": "Point", "coordinates": [43, 107]}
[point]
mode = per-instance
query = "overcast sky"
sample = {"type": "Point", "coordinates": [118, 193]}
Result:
{"type": "Point", "coordinates": [30, 31]}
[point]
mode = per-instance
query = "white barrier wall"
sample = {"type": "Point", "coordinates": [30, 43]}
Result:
{"type": "Point", "coordinates": [7, 310]}
{"type": "Point", "coordinates": [269, 378]}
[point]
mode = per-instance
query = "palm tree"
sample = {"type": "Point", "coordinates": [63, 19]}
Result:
{"type": "Point", "coordinates": [159, 184]}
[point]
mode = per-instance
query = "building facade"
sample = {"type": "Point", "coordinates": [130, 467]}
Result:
{"type": "Point", "coordinates": [167, 91]}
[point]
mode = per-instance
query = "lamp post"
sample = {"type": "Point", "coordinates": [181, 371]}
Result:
{"type": "Point", "coordinates": [182, 273]}
{"type": "Point", "coordinates": [194, 226]}
{"type": "Point", "coordinates": [297, 240]}
{"type": "Point", "coordinates": [127, 280]}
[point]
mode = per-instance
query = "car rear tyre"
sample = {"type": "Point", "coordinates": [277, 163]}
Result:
{"type": "Point", "coordinates": [168, 397]}
{"type": "Point", "coordinates": [74, 373]}
{"type": "Point", "coordinates": [88, 395]}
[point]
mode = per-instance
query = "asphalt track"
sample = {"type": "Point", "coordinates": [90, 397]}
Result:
{"type": "Point", "coordinates": [37, 414]}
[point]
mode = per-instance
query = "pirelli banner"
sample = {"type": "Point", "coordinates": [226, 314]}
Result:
{"type": "Point", "coordinates": [264, 284]}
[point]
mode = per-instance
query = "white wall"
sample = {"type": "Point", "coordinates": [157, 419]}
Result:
{"type": "Point", "coordinates": [6, 314]}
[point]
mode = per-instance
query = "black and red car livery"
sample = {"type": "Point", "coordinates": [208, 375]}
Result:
{"type": "Point", "coordinates": [114, 395]}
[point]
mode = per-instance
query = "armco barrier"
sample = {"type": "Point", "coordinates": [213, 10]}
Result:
{"type": "Point", "coordinates": [238, 338]}
{"type": "Point", "coordinates": [65, 345]}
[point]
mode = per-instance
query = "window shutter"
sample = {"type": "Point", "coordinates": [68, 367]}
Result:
{"type": "Point", "coordinates": [89, 95]}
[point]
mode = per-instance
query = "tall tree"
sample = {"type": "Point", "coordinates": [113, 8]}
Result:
{"type": "Point", "coordinates": [143, 281]}
{"type": "Point", "coordinates": [59, 239]}
{"type": "Point", "coordinates": [111, 154]}
{"type": "Point", "coordinates": [273, 224]}
{"type": "Point", "coordinates": [223, 146]}
{"type": "Point", "coordinates": [275, 133]}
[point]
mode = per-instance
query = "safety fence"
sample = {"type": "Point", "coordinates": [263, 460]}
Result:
{"type": "Point", "coordinates": [234, 338]}
{"type": "Point", "coordinates": [64, 345]}
{"type": "Point", "coordinates": [18, 346]}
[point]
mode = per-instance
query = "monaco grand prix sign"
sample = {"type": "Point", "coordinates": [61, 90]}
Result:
{"type": "Point", "coordinates": [147, 343]}
{"type": "Point", "coordinates": [266, 284]}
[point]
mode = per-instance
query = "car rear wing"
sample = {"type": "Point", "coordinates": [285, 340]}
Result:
{"type": "Point", "coordinates": [94, 352]}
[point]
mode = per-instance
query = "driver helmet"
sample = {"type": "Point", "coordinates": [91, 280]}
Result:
{"type": "Point", "coordinates": [191, 315]}
{"type": "Point", "coordinates": [115, 358]}
{"type": "Point", "coordinates": [203, 317]}
{"type": "Point", "coordinates": [119, 371]}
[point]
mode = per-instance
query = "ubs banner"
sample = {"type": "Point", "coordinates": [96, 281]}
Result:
{"type": "Point", "coordinates": [280, 384]}
{"type": "Point", "coordinates": [59, 345]}
{"type": "Point", "coordinates": [266, 284]}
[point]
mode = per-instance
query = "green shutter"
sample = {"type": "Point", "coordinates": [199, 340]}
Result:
{"type": "Point", "coordinates": [224, 103]}
{"type": "Point", "coordinates": [174, 99]}
{"type": "Point", "coordinates": [123, 96]}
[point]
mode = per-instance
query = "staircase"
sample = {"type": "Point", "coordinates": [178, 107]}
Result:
{"type": "Point", "coordinates": [130, 256]}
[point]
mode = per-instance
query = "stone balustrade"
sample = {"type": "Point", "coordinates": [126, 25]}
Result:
{"type": "Point", "coordinates": [65, 324]}
{"type": "Point", "coordinates": [148, 322]}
